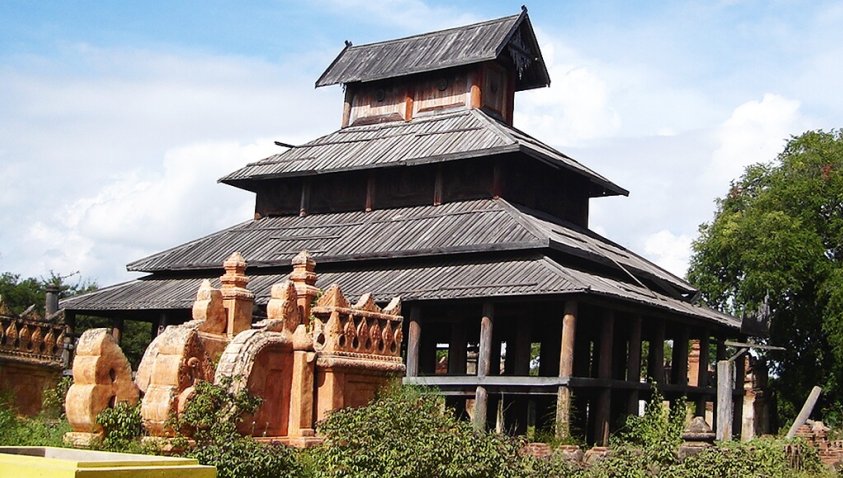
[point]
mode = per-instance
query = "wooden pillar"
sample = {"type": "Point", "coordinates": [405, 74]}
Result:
{"type": "Point", "coordinates": [655, 360]}
{"type": "Point", "coordinates": [304, 203]}
{"type": "Point", "coordinates": [633, 368]}
{"type": "Point", "coordinates": [522, 347]}
{"type": "Point", "coordinates": [495, 357]}
{"type": "Point", "coordinates": [117, 326]}
{"type": "Point", "coordinates": [737, 410]}
{"type": "Point", "coordinates": [413, 341]}
{"type": "Point", "coordinates": [604, 372]}
{"type": "Point", "coordinates": [438, 186]}
{"type": "Point", "coordinates": [720, 355]}
{"type": "Point", "coordinates": [69, 338]}
{"type": "Point", "coordinates": [549, 354]}
{"type": "Point", "coordinates": [346, 107]}
{"type": "Point", "coordinates": [427, 350]}
{"type": "Point", "coordinates": [679, 371]}
{"type": "Point", "coordinates": [566, 367]}
{"type": "Point", "coordinates": [456, 349]}
{"type": "Point", "coordinates": [370, 192]}
{"type": "Point", "coordinates": [725, 387]}
{"type": "Point", "coordinates": [702, 373]}
{"type": "Point", "coordinates": [484, 358]}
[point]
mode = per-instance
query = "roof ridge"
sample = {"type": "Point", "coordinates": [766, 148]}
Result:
{"type": "Point", "coordinates": [496, 126]}
{"type": "Point", "coordinates": [518, 217]}
{"type": "Point", "coordinates": [436, 32]}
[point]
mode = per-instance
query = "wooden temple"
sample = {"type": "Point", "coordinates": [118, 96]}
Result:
{"type": "Point", "coordinates": [515, 310]}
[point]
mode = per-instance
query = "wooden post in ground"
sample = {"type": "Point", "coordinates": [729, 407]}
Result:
{"type": "Point", "coordinates": [566, 367]}
{"type": "Point", "coordinates": [805, 412]}
{"type": "Point", "coordinates": [604, 371]}
{"type": "Point", "coordinates": [702, 373]}
{"type": "Point", "coordinates": [484, 362]}
{"type": "Point", "coordinates": [725, 387]}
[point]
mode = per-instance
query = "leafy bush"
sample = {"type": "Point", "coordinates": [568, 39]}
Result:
{"type": "Point", "coordinates": [123, 426]}
{"type": "Point", "coordinates": [761, 458]}
{"type": "Point", "coordinates": [52, 404]}
{"type": "Point", "coordinates": [21, 431]}
{"type": "Point", "coordinates": [405, 433]}
{"type": "Point", "coordinates": [657, 434]}
{"type": "Point", "coordinates": [213, 414]}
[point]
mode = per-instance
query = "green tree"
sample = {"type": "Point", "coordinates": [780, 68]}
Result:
{"type": "Point", "coordinates": [18, 294]}
{"type": "Point", "coordinates": [778, 234]}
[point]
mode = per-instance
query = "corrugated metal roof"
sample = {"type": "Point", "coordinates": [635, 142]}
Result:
{"type": "Point", "coordinates": [531, 276]}
{"type": "Point", "coordinates": [468, 226]}
{"type": "Point", "coordinates": [465, 45]}
{"type": "Point", "coordinates": [431, 139]}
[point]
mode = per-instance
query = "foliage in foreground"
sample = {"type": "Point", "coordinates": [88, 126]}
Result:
{"type": "Point", "coordinates": [21, 431]}
{"type": "Point", "coordinates": [777, 237]}
{"type": "Point", "coordinates": [213, 415]}
{"type": "Point", "coordinates": [405, 433]}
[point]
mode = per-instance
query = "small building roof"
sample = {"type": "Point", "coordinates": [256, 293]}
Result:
{"type": "Point", "coordinates": [430, 139]}
{"type": "Point", "coordinates": [485, 41]}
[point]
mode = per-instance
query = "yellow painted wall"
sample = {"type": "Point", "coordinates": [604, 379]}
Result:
{"type": "Point", "coordinates": [49, 462]}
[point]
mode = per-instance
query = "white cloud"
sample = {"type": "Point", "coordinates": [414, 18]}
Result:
{"type": "Point", "coordinates": [669, 250]}
{"type": "Point", "coordinates": [755, 132]}
{"type": "Point", "coordinates": [577, 108]}
{"type": "Point", "coordinates": [99, 169]}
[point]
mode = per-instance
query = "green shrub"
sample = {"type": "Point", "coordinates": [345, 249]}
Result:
{"type": "Point", "coordinates": [123, 427]}
{"type": "Point", "coordinates": [22, 431]}
{"type": "Point", "coordinates": [405, 433]}
{"type": "Point", "coordinates": [212, 415]}
{"type": "Point", "coordinates": [52, 404]}
{"type": "Point", "coordinates": [759, 458]}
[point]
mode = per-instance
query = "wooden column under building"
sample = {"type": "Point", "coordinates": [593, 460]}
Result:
{"type": "Point", "coordinates": [679, 368]}
{"type": "Point", "coordinates": [457, 349]}
{"type": "Point", "coordinates": [738, 395]}
{"type": "Point", "coordinates": [69, 339]}
{"type": "Point", "coordinates": [655, 361]}
{"type": "Point", "coordinates": [484, 363]}
{"type": "Point", "coordinates": [633, 368]}
{"type": "Point", "coordinates": [566, 367]}
{"type": "Point", "coordinates": [604, 372]}
{"type": "Point", "coordinates": [702, 373]}
{"type": "Point", "coordinates": [117, 326]}
{"type": "Point", "coordinates": [413, 341]}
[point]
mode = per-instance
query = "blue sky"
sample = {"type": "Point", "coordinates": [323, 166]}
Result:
{"type": "Point", "coordinates": [116, 118]}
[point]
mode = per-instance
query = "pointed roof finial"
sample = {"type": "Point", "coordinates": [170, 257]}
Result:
{"type": "Point", "coordinates": [524, 8]}
{"type": "Point", "coordinates": [347, 43]}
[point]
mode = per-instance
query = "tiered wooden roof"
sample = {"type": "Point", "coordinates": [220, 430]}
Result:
{"type": "Point", "coordinates": [432, 139]}
{"type": "Point", "coordinates": [418, 253]}
{"type": "Point", "coordinates": [465, 248]}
